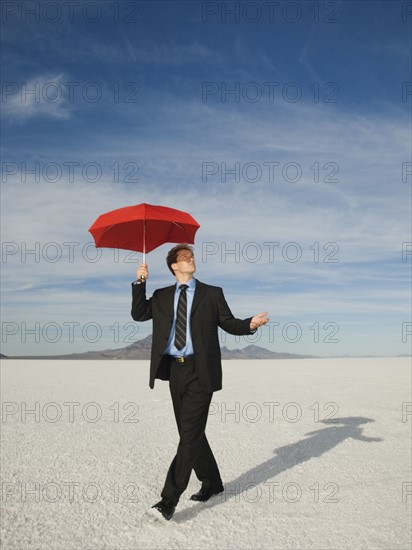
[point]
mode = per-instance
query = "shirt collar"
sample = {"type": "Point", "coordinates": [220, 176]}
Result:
{"type": "Point", "coordinates": [191, 284]}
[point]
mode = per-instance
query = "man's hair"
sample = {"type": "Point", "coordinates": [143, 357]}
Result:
{"type": "Point", "coordinates": [171, 257]}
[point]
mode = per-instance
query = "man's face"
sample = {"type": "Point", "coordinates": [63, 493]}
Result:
{"type": "Point", "coordinates": [185, 262]}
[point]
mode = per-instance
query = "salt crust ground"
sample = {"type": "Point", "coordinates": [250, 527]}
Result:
{"type": "Point", "coordinates": [83, 476]}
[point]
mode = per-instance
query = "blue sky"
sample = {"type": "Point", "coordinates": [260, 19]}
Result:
{"type": "Point", "coordinates": [284, 128]}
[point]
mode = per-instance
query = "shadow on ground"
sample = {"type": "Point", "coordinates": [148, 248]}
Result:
{"type": "Point", "coordinates": [320, 442]}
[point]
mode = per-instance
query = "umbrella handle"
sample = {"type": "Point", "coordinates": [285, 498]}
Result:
{"type": "Point", "coordinates": [143, 278]}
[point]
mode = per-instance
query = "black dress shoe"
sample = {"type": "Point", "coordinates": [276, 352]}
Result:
{"type": "Point", "coordinates": [206, 492]}
{"type": "Point", "coordinates": [166, 507]}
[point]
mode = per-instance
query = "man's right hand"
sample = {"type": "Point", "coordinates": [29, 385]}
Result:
{"type": "Point", "coordinates": [142, 273]}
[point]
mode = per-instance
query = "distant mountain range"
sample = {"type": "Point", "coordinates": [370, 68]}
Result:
{"type": "Point", "coordinates": [141, 350]}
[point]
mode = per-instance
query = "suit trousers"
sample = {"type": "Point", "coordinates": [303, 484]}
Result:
{"type": "Point", "coordinates": [191, 408]}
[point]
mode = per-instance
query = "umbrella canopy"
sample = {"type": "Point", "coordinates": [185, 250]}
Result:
{"type": "Point", "coordinates": [143, 227]}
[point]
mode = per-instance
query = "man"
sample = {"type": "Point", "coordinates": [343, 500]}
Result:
{"type": "Point", "coordinates": [186, 351]}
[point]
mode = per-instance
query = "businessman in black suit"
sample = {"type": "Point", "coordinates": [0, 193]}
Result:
{"type": "Point", "coordinates": [186, 352]}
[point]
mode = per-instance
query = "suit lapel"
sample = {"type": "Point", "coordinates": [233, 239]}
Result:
{"type": "Point", "coordinates": [200, 292]}
{"type": "Point", "coordinates": [169, 300]}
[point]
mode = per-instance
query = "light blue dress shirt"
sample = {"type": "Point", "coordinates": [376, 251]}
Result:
{"type": "Point", "coordinates": [171, 349]}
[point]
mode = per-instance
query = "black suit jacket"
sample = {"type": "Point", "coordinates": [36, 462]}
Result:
{"type": "Point", "coordinates": [209, 311]}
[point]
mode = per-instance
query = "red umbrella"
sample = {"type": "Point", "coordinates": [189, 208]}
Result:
{"type": "Point", "coordinates": [143, 228]}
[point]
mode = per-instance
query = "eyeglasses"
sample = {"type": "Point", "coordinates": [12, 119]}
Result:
{"type": "Point", "coordinates": [185, 258]}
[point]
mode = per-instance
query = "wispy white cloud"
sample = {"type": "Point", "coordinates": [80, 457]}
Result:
{"type": "Point", "coordinates": [41, 96]}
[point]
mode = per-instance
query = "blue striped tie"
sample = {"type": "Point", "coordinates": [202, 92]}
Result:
{"type": "Point", "coordinates": [180, 334]}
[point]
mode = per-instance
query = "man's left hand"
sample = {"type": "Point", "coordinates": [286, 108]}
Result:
{"type": "Point", "coordinates": [258, 320]}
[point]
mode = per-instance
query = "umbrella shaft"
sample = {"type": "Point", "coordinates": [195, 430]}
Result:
{"type": "Point", "coordinates": [144, 241]}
